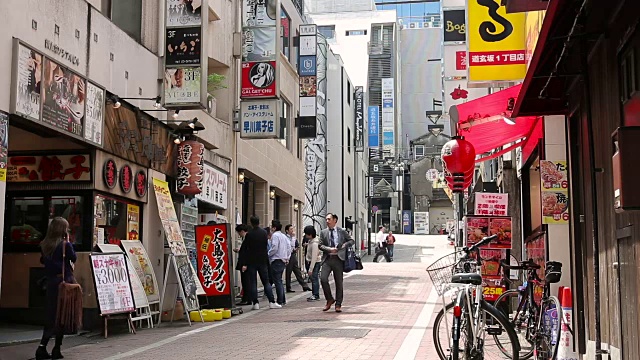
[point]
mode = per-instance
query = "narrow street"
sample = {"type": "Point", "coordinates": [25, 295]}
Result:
{"type": "Point", "coordinates": [386, 315]}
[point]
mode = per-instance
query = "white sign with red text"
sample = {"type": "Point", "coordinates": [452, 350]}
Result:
{"type": "Point", "coordinates": [491, 204]}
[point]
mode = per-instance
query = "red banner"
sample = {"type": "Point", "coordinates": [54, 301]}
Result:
{"type": "Point", "coordinates": [213, 270]}
{"type": "Point", "coordinates": [259, 79]}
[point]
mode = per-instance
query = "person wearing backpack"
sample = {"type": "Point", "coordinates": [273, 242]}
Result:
{"type": "Point", "coordinates": [390, 241]}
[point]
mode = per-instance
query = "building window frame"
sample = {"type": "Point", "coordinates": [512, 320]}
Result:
{"type": "Point", "coordinates": [328, 31]}
{"type": "Point", "coordinates": [418, 154]}
{"type": "Point", "coordinates": [285, 119]}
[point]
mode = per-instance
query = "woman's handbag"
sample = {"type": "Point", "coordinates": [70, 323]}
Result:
{"type": "Point", "coordinates": [69, 311]}
{"type": "Point", "coordinates": [352, 261]}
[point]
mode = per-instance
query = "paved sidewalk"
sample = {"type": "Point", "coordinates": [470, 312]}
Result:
{"type": "Point", "coordinates": [387, 313]}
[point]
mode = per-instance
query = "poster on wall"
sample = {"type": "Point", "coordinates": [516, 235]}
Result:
{"type": "Point", "coordinates": [213, 259]}
{"type": "Point", "coordinates": [308, 87]}
{"type": "Point", "coordinates": [4, 144]}
{"type": "Point", "coordinates": [555, 192]}
{"type": "Point", "coordinates": [259, 44]}
{"type": "Point", "coordinates": [113, 286]}
{"type": "Point", "coordinates": [259, 79]}
{"type": "Point", "coordinates": [184, 46]}
{"type": "Point", "coordinates": [184, 13]}
{"type": "Point", "coordinates": [140, 260]}
{"type": "Point", "coordinates": [94, 114]}
{"type": "Point", "coordinates": [64, 97]}
{"type": "Point", "coordinates": [537, 251]}
{"type": "Point", "coordinates": [27, 82]}
{"type": "Point", "coordinates": [182, 85]}
{"type": "Point", "coordinates": [259, 13]}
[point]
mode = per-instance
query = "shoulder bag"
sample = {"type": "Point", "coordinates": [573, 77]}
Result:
{"type": "Point", "coordinates": [69, 310]}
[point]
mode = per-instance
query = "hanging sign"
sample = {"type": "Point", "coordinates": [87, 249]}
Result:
{"type": "Point", "coordinates": [359, 114]}
{"type": "Point", "coordinates": [213, 253]}
{"type": "Point", "coordinates": [491, 204]}
{"type": "Point", "coordinates": [190, 167]}
{"type": "Point", "coordinates": [259, 119]}
{"type": "Point", "coordinates": [113, 286]}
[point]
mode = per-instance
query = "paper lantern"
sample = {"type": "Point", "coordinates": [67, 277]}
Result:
{"type": "Point", "coordinates": [190, 169]}
{"type": "Point", "coordinates": [458, 155]}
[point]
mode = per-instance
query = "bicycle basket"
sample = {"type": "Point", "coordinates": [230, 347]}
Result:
{"type": "Point", "coordinates": [441, 270]}
{"type": "Point", "coordinates": [553, 272]}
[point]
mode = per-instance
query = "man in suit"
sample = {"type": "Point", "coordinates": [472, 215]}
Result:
{"type": "Point", "coordinates": [255, 263]}
{"type": "Point", "coordinates": [334, 242]}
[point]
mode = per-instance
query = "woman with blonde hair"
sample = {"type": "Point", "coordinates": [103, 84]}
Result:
{"type": "Point", "coordinates": [55, 242]}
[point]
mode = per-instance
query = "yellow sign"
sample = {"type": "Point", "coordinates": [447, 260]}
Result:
{"type": "Point", "coordinates": [496, 42]}
{"type": "Point", "coordinates": [533, 25]}
{"type": "Point", "coordinates": [133, 222]}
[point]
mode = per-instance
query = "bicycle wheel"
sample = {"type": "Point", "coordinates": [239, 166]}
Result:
{"type": "Point", "coordinates": [548, 329]}
{"type": "Point", "coordinates": [502, 332]}
{"type": "Point", "coordinates": [508, 303]}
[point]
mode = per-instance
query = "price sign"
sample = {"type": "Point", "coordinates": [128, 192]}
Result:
{"type": "Point", "coordinates": [113, 286]}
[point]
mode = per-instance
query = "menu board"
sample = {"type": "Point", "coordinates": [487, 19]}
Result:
{"type": "Point", "coordinates": [554, 186]}
{"type": "Point", "coordinates": [169, 218]}
{"type": "Point", "coordinates": [188, 280]}
{"type": "Point", "coordinates": [537, 251]}
{"type": "Point", "coordinates": [142, 265]}
{"type": "Point", "coordinates": [113, 286]}
{"type": "Point", "coordinates": [139, 296]}
{"type": "Point", "coordinates": [213, 257]}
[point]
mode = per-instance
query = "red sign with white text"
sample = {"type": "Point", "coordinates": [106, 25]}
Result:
{"type": "Point", "coordinates": [461, 60]}
{"type": "Point", "coordinates": [259, 79]}
{"type": "Point", "coordinates": [212, 242]}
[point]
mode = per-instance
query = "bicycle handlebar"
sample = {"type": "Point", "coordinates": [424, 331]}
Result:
{"type": "Point", "coordinates": [524, 265]}
{"type": "Point", "coordinates": [482, 242]}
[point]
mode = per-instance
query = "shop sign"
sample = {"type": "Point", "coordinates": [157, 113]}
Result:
{"type": "Point", "coordinates": [259, 119]}
{"type": "Point", "coordinates": [4, 144]}
{"type": "Point", "coordinates": [308, 44]}
{"type": "Point", "coordinates": [49, 168]}
{"type": "Point", "coordinates": [307, 127]}
{"type": "Point", "coordinates": [213, 253]}
{"type": "Point", "coordinates": [307, 66]}
{"type": "Point", "coordinates": [454, 25]}
{"type": "Point", "coordinates": [183, 13]}
{"type": "Point", "coordinates": [555, 192]}
{"type": "Point", "coordinates": [94, 114]}
{"type": "Point", "coordinates": [495, 55]}
{"type": "Point", "coordinates": [182, 85]}
{"type": "Point", "coordinates": [189, 167]}
{"type": "Point", "coordinates": [359, 114]}
{"type": "Point", "coordinates": [214, 187]}
{"type": "Point", "coordinates": [137, 253]}
{"type": "Point", "coordinates": [126, 178]}
{"type": "Point", "coordinates": [259, 44]}
{"type": "Point", "coordinates": [141, 183]}
{"type": "Point", "coordinates": [259, 13]}
{"type": "Point", "coordinates": [374, 127]}
{"type": "Point", "coordinates": [491, 204]}
{"type": "Point", "coordinates": [168, 217]}
{"type": "Point", "coordinates": [259, 79]}
{"type": "Point", "coordinates": [110, 173]}
{"type": "Point", "coordinates": [184, 46]}
{"type": "Point", "coordinates": [477, 227]}
{"type": "Point", "coordinates": [61, 52]}
{"type": "Point", "coordinates": [113, 286]}
{"type": "Point", "coordinates": [64, 96]}
{"type": "Point", "coordinates": [27, 75]}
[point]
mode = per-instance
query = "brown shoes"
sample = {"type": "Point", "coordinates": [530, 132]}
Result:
{"type": "Point", "coordinates": [328, 306]}
{"type": "Point", "coordinates": [338, 308]}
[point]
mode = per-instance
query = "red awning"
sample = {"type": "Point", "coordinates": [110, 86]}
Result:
{"type": "Point", "coordinates": [482, 121]}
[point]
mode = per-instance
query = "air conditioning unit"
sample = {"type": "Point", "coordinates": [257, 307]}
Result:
{"type": "Point", "coordinates": [427, 25]}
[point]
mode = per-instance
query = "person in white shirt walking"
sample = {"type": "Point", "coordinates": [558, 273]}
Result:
{"type": "Point", "coordinates": [314, 257]}
{"type": "Point", "coordinates": [279, 255]}
{"type": "Point", "coordinates": [381, 245]}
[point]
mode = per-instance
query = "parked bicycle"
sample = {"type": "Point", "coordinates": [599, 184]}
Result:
{"type": "Point", "coordinates": [470, 327]}
{"type": "Point", "coordinates": [536, 323]}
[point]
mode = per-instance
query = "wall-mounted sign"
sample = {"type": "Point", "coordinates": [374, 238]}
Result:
{"type": "Point", "coordinates": [307, 127]}
{"type": "Point", "coordinates": [259, 44]}
{"type": "Point", "coordinates": [184, 46]}
{"type": "Point", "coordinates": [555, 192]}
{"type": "Point", "coordinates": [27, 82]}
{"type": "Point", "coordinates": [110, 173]}
{"type": "Point", "coordinates": [94, 114]}
{"type": "Point", "coordinates": [259, 79]}
{"type": "Point", "coordinates": [307, 66]}
{"type": "Point", "coordinates": [214, 187]}
{"type": "Point", "coordinates": [308, 29]}
{"type": "Point", "coordinates": [190, 167]}
{"type": "Point", "coordinates": [183, 13]}
{"type": "Point", "coordinates": [308, 106]}
{"type": "Point", "coordinates": [126, 178]}
{"type": "Point", "coordinates": [495, 55]}
{"type": "Point", "coordinates": [46, 168]}
{"type": "Point", "coordinates": [259, 13]}
{"type": "Point", "coordinates": [308, 86]}
{"type": "Point", "coordinates": [454, 25]}
{"type": "Point", "coordinates": [64, 96]}
{"type": "Point", "coordinates": [374, 126]}
{"type": "Point", "coordinates": [477, 227]}
{"type": "Point", "coordinates": [359, 114]}
{"type": "Point", "coordinates": [61, 52]}
{"type": "Point", "coordinates": [491, 204]}
{"type": "Point", "coordinates": [140, 183]}
{"type": "Point", "coordinates": [182, 85]}
{"type": "Point", "coordinates": [259, 119]}
{"type": "Point", "coordinates": [308, 45]}
{"type": "Point", "coordinates": [388, 116]}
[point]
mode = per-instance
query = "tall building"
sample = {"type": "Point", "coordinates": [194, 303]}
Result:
{"type": "Point", "coordinates": [413, 14]}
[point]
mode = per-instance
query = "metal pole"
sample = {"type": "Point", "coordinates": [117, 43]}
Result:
{"type": "Point", "coordinates": [460, 239]}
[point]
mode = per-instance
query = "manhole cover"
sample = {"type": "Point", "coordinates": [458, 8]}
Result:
{"type": "Point", "coordinates": [305, 320]}
{"type": "Point", "coordinates": [333, 333]}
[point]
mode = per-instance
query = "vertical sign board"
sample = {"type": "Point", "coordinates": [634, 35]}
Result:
{"type": "Point", "coordinates": [554, 185]}
{"type": "Point", "coordinates": [359, 116]}
{"type": "Point", "coordinates": [388, 116]}
{"type": "Point", "coordinates": [4, 144]}
{"type": "Point", "coordinates": [495, 56]}
{"type": "Point", "coordinates": [260, 49]}
{"type": "Point", "coordinates": [259, 119]}
{"type": "Point", "coordinates": [454, 25]}
{"type": "Point", "coordinates": [113, 286]}
{"type": "Point", "coordinates": [308, 71]}
{"type": "Point", "coordinates": [185, 79]}
{"type": "Point", "coordinates": [374, 126]}
{"type": "Point", "coordinates": [141, 263]}
{"type": "Point", "coordinates": [214, 264]}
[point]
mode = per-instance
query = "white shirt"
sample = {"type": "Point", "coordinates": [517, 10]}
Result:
{"type": "Point", "coordinates": [380, 238]}
{"type": "Point", "coordinates": [280, 247]}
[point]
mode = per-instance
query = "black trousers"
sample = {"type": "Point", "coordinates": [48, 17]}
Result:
{"type": "Point", "coordinates": [294, 267]}
{"type": "Point", "coordinates": [381, 251]}
{"type": "Point", "coordinates": [246, 286]}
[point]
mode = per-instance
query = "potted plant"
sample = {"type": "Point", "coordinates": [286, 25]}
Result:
{"type": "Point", "coordinates": [214, 82]}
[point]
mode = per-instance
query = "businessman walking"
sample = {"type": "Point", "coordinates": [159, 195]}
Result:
{"type": "Point", "coordinates": [334, 242]}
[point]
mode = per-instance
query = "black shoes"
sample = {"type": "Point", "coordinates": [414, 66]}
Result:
{"type": "Point", "coordinates": [306, 289]}
{"type": "Point", "coordinates": [290, 291]}
{"type": "Point", "coordinates": [42, 354]}
{"type": "Point", "coordinates": [56, 354]}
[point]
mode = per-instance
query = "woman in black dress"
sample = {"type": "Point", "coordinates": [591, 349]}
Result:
{"type": "Point", "coordinates": [52, 246]}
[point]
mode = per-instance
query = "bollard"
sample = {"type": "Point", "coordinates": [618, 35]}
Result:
{"type": "Point", "coordinates": [565, 349]}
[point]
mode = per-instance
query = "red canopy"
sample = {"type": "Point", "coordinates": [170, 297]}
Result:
{"type": "Point", "coordinates": [482, 121]}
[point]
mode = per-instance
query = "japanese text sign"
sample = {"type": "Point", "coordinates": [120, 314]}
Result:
{"type": "Point", "coordinates": [374, 126]}
{"type": "Point", "coordinates": [214, 187]}
{"type": "Point", "coordinates": [168, 218]}
{"type": "Point", "coordinates": [113, 286]}
{"type": "Point", "coordinates": [212, 243]}
{"type": "Point", "coordinates": [49, 168]}
{"type": "Point", "coordinates": [554, 185]}
{"type": "Point", "coordinates": [491, 204]}
{"type": "Point", "coordinates": [495, 55]}
{"type": "Point", "coordinates": [259, 119]}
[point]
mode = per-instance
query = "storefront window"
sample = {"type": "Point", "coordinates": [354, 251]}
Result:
{"type": "Point", "coordinates": [116, 220]}
{"type": "Point", "coordinates": [29, 217]}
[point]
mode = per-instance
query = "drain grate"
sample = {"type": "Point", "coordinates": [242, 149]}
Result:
{"type": "Point", "coordinates": [333, 333]}
{"type": "Point", "coordinates": [305, 320]}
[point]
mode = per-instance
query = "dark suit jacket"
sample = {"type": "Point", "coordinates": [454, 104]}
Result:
{"type": "Point", "coordinates": [255, 248]}
{"type": "Point", "coordinates": [343, 239]}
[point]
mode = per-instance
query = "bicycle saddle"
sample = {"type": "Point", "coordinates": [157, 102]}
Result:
{"type": "Point", "coordinates": [468, 278]}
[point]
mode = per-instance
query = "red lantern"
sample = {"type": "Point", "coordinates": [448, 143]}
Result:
{"type": "Point", "coordinates": [458, 155]}
{"type": "Point", "coordinates": [190, 169]}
